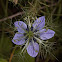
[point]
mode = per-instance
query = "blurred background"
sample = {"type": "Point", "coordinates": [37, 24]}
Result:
{"type": "Point", "coordinates": [14, 10]}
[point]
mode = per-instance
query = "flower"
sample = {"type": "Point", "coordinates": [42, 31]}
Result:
{"type": "Point", "coordinates": [32, 33]}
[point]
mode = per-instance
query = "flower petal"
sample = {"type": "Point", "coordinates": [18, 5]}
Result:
{"type": "Point", "coordinates": [21, 26]}
{"type": "Point", "coordinates": [18, 39]}
{"type": "Point", "coordinates": [39, 23]}
{"type": "Point", "coordinates": [33, 49]}
{"type": "Point", "coordinates": [41, 31]}
{"type": "Point", "coordinates": [47, 35]}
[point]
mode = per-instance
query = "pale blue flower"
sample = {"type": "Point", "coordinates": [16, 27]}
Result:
{"type": "Point", "coordinates": [30, 32]}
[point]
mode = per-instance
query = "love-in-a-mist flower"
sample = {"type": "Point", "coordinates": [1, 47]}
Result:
{"type": "Point", "coordinates": [30, 35]}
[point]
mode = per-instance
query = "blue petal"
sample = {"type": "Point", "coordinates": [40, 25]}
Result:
{"type": "Point", "coordinates": [21, 26]}
{"type": "Point", "coordinates": [18, 39]}
{"type": "Point", "coordinates": [39, 23]}
{"type": "Point", "coordinates": [47, 35]}
{"type": "Point", "coordinates": [41, 31]}
{"type": "Point", "coordinates": [33, 49]}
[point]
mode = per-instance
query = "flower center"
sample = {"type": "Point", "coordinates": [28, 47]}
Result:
{"type": "Point", "coordinates": [30, 34]}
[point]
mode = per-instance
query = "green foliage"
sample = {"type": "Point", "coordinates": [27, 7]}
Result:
{"type": "Point", "coordinates": [24, 57]}
{"type": "Point", "coordinates": [5, 47]}
{"type": "Point", "coordinates": [3, 60]}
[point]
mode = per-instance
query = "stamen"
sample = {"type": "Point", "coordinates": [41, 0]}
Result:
{"type": "Point", "coordinates": [34, 39]}
{"type": "Point", "coordinates": [31, 28]}
{"type": "Point", "coordinates": [27, 28]}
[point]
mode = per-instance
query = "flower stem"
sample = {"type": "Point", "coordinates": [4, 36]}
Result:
{"type": "Point", "coordinates": [12, 54]}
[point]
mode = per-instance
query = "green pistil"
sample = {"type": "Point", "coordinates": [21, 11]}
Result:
{"type": "Point", "coordinates": [30, 34]}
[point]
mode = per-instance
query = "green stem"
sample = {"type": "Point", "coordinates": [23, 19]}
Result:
{"type": "Point", "coordinates": [2, 37]}
{"type": "Point", "coordinates": [3, 6]}
{"type": "Point", "coordinates": [6, 8]}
